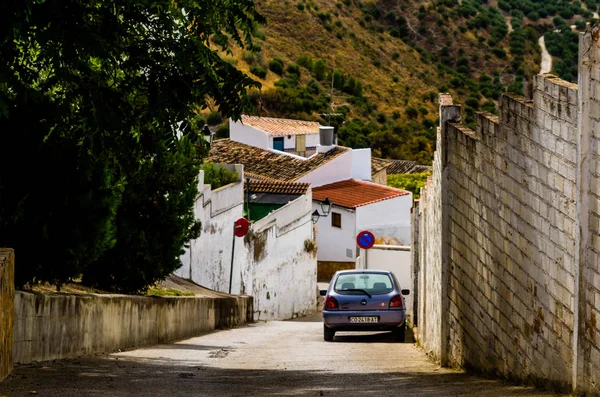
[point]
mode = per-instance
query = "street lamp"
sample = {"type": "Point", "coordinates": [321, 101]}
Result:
{"type": "Point", "coordinates": [326, 206]}
{"type": "Point", "coordinates": [315, 217]}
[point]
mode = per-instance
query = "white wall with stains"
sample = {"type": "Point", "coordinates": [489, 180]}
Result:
{"type": "Point", "coordinates": [271, 263]}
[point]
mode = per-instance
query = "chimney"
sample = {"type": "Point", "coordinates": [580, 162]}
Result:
{"type": "Point", "coordinates": [326, 139]}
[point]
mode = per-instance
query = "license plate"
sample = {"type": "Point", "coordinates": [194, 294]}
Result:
{"type": "Point", "coordinates": [364, 319]}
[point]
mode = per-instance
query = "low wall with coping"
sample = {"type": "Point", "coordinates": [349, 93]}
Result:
{"type": "Point", "coordinates": [55, 326]}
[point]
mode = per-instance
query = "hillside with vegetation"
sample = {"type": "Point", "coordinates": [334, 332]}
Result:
{"type": "Point", "coordinates": [373, 68]}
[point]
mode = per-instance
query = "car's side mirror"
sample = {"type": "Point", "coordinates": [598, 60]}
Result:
{"type": "Point", "coordinates": [323, 292]}
{"type": "Point", "coordinates": [405, 292]}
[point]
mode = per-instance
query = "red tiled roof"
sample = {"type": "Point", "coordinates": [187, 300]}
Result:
{"type": "Point", "coordinates": [277, 187]}
{"type": "Point", "coordinates": [353, 193]}
{"type": "Point", "coordinates": [265, 164]}
{"type": "Point", "coordinates": [281, 127]}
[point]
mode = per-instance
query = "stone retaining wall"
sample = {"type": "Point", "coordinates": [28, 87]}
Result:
{"type": "Point", "coordinates": [55, 326]}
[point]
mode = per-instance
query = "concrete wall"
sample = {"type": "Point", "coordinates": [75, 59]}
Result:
{"type": "Point", "coordinates": [7, 311]}
{"type": "Point", "coordinates": [249, 135]}
{"type": "Point", "coordinates": [208, 260]}
{"type": "Point", "coordinates": [326, 270]}
{"type": "Point", "coordinates": [431, 279]}
{"type": "Point", "coordinates": [338, 169]}
{"type": "Point", "coordinates": [312, 141]}
{"type": "Point", "coordinates": [587, 279]}
{"type": "Point", "coordinates": [387, 218]}
{"type": "Point", "coordinates": [280, 267]}
{"type": "Point", "coordinates": [380, 177]}
{"type": "Point", "coordinates": [336, 244]}
{"type": "Point", "coordinates": [54, 326]}
{"type": "Point", "coordinates": [271, 263]}
{"type": "Point", "coordinates": [508, 237]}
{"type": "Point", "coordinates": [361, 164]}
{"type": "Point", "coordinates": [394, 258]}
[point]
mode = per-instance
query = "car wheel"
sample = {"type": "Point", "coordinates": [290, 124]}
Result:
{"type": "Point", "coordinates": [400, 333]}
{"type": "Point", "coordinates": [328, 334]}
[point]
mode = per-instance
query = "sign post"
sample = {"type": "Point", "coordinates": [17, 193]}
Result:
{"type": "Point", "coordinates": [366, 241]}
{"type": "Point", "coordinates": [240, 228]}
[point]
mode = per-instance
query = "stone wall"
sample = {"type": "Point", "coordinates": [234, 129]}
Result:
{"type": "Point", "coordinates": [509, 236]}
{"type": "Point", "coordinates": [55, 326]}
{"type": "Point", "coordinates": [587, 355]}
{"type": "Point", "coordinates": [7, 311]}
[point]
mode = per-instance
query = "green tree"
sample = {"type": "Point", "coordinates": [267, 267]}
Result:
{"type": "Point", "coordinates": [411, 182]}
{"type": "Point", "coordinates": [100, 152]}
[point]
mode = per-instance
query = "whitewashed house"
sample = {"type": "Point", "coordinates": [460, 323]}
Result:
{"type": "Point", "coordinates": [341, 174]}
{"type": "Point", "coordinates": [272, 262]}
{"type": "Point", "coordinates": [330, 163]}
{"type": "Point", "coordinates": [358, 206]}
{"type": "Point", "coordinates": [284, 135]}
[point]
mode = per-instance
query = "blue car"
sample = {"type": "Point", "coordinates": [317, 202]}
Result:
{"type": "Point", "coordinates": [364, 300]}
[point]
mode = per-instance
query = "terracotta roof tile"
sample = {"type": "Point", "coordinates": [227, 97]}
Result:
{"type": "Point", "coordinates": [353, 193]}
{"type": "Point", "coordinates": [264, 164]}
{"type": "Point", "coordinates": [280, 127]}
{"type": "Point", "coordinates": [277, 187]}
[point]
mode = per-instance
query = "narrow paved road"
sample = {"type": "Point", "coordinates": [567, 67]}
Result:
{"type": "Point", "coordinates": [285, 358]}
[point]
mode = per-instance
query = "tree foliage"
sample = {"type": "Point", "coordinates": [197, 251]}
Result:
{"type": "Point", "coordinates": [100, 153]}
{"type": "Point", "coordinates": [411, 182]}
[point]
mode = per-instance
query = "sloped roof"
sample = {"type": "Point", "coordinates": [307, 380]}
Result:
{"type": "Point", "coordinates": [264, 164]}
{"type": "Point", "coordinates": [353, 193]}
{"type": "Point", "coordinates": [400, 167]}
{"type": "Point", "coordinates": [281, 127]}
{"type": "Point", "coordinates": [378, 164]}
{"type": "Point", "coordinates": [278, 187]}
{"type": "Point", "coordinates": [397, 166]}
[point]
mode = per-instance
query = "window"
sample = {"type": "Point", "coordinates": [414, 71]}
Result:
{"type": "Point", "coordinates": [336, 219]}
{"type": "Point", "coordinates": [373, 283]}
{"type": "Point", "coordinates": [278, 144]}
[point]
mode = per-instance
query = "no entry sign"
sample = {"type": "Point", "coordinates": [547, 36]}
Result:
{"type": "Point", "coordinates": [365, 239]}
{"type": "Point", "coordinates": [241, 227]}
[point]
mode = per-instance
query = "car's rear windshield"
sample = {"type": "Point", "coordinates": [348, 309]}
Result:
{"type": "Point", "coordinates": [373, 283]}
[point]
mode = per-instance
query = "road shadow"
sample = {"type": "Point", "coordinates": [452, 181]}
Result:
{"type": "Point", "coordinates": [105, 376]}
{"type": "Point", "coordinates": [372, 337]}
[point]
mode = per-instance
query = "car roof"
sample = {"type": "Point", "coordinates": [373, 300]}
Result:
{"type": "Point", "coordinates": [364, 271]}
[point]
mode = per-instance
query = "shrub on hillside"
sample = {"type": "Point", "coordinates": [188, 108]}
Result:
{"type": "Point", "coordinates": [258, 71]}
{"type": "Point", "coordinates": [276, 66]}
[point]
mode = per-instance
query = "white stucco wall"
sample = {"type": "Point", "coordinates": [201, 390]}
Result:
{"type": "Point", "coordinates": [278, 271]}
{"type": "Point", "coordinates": [361, 164]}
{"type": "Point", "coordinates": [248, 135]}
{"type": "Point", "coordinates": [312, 141]}
{"type": "Point", "coordinates": [271, 263]}
{"type": "Point", "coordinates": [338, 169]}
{"type": "Point", "coordinates": [396, 259]}
{"type": "Point", "coordinates": [333, 242]}
{"type": "Point", "coordinates": [387, 218]}
{"type": "Point", "coordinates": [208, 260]}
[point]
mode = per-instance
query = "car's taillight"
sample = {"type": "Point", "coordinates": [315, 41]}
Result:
{"type": "Point", "coordinates": [331, 303]}
{"type": "Point", "coordinates": [396, 302]}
